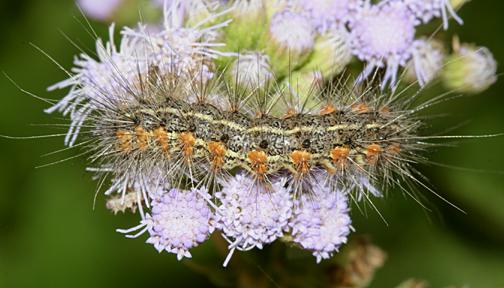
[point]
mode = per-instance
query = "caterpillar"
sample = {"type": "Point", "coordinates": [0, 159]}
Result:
{"type": "Point", "coordinates": [192, 148]}
{"type": "Point", "coordinates": [355, 136]}
{"type": "Point", "coordinates": [160, 129]}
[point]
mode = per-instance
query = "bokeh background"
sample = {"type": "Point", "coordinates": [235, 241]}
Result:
{"type": "Point", "coordinates": [50, 235]}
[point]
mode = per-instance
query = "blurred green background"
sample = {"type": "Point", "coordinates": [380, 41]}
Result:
{"type": "Point", "coordinates": [50, 235]}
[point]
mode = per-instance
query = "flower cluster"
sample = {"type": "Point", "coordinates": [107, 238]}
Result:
{"type": "Point", "coordinates": [180, 220]}
{"type": "Point", "coordinates": [247, 44]}
{"type": "Point", "coordinates": [320, 222]}
{"type": "Point", "coordinates": [382, 35]}
{"type": "Point", "coordinates": [249, 215]}
{"type": "Point", "coordinates": [252, 215]}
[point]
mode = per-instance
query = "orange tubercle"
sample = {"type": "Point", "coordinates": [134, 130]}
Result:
{"type": "Point", "coordinates": [340, 155]}
{"type": "Point", "coordinates": [162, 138]}
{"type": "Point", "coordinates": [372, 153]}
{"type": "Point", "coordinates": [360, 108]}
{"type": "Point", "coordinates": [301, 160]}
{"type": "Point", "coordinates": [394, 148]}
{"type": "Point", "coordinates": [218, 152]}
{"type": "Point", "coordinates": [125, 138]}
{"type": "Point", "coordinates": [385, 110]}
{"type": "Point", "coordinates": [290, 113]}
{"type": "Point", "coordinates": [142, 137]}
{"type": "Point", "coordinates": [328, 109]}
{"type": "Point", "coordinates": [258, 161]}
{"type": "Point", "coordinates": [187, 139]}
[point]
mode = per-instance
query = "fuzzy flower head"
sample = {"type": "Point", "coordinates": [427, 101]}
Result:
{"type": "Point", "coordinates": [327, 14]}
{"type": "Point", "coordinates": [426, 10]}
{"type": "Point", "coordinates": [99, 9]}
{"type": "Point", "coordinates": [383, 36]}
{"type": "Point", "coordinates": [180, 220]}
{"type": "Point", "coordinates": [105, 80]}
{"type": "Point", "coordinates": [98, 83]}
{"type": "Point", "coordinates": [427, 61]}
{"type": "Point", "coordinates": [251, 70]}
{"type": "Point", "coordinates": [321, 222]}
{"type": "Point", "coordinates": [292, 31]}
{"type": "Point", "coordinates": [190, 11]}
{"type": "Point", "coordinates": [251, 215]}
{"type": "Point", "coordinates": [331, 53]}
{"type": "Point", "coordinates": [470, 69]}
{"type": "Point", "coordinates": [177, 45]}
{"type": "Point", "coordinates": [114, 77]}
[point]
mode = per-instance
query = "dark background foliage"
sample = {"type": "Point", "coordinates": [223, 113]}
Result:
{"type": "Point", "coordinates": [50, 235]}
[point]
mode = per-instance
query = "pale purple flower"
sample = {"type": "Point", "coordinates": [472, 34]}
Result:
{"type": "Point", "coordinates": [180, 220]}
{"type": "Point", "coordinates": [292, 31]}
{"type": "Point", "coordinates": [383, 36]}
{"type": "Point", "coordinates": [99, 9]}
{"type": "Point", "coordinates": [113, 78]}
{"type": "Point", "coordinates": [327, 14]}
{"type": "Point", "coordinates": [427, 61]}
{"type": "Point", "coordinates": [97, 83]}
{"type": "Point", "coordinates": [426, 10]}
{"type": "Point", "coordinates": [178, 45]}
{"type": "Point", "coordinates": [470, 69]}
{"type": "Point", "coordinates": [252, 214]}
{"type": "Point", "coordinates": [251, 70]}
{"type": "Point", "coordinates": [321, 221]}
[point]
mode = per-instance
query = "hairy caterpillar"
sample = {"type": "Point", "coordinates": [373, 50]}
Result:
{"type": "Point", "coordinates": [154, 128]}
{"type": "Point", "coordinates": [358, 137]}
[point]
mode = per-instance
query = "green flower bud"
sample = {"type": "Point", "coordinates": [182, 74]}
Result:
{"type": "Point", "coordinates": [457, 4]}
{"type": "Point", "coordinates": [248, 26]}
{"type": "Point", "coordinates": [470, 69]}
{"type": "Point", "coordinates": [198, 11]}
{"type": "Point", "coordinates": [290, 41]}
{"type": "Point", "coordinates": [250, 71]}
{"type": "Point", "coordinates": [331, 54]}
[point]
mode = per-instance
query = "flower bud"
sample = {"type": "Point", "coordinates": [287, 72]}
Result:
{"type": "Point", "coordinates": [457, 4]}
{"type": "Point", "coordinates": [248, 25]}
{"type": "Point", "coordinates": [427, 61]}
{"type": "Point", "coordinates": [251, 71]}
{"type": "Point", "coordinates": [291, 40]}
{"type": "Point", "coordinates": [306, 85]}
{"type": "Point", "coordinates": [470, 69]}
{"type": "Point", "coordinates": [331, 53]}
{"type": "Point", "coordinates": [101, 10]}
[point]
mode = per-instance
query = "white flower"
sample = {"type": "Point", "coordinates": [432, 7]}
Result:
{"type": "Point", "coordinates": [113, 79]}
{"type": "Point", "coordinates": [180, 220]}
{"type": "Point", "coordinates": [427, 61]}
{"type": "Point", "coordinates": [251, 70]}
{"type": "Point", "coordinates": [321, 222]}
{"type": "Point", "coordinates": [250, 214]}
{"type": "Point", "coordinates": [292, 31]}
{"type": "Point", "coordinates": [383, 36]}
